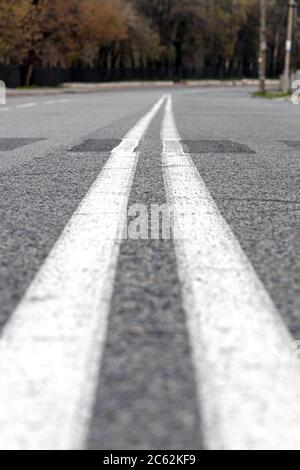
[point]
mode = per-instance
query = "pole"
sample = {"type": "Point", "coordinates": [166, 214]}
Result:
{"type": "Point", "coordinates": [263, 47]}
{"type": "Point", "coordinates": [288, 46]}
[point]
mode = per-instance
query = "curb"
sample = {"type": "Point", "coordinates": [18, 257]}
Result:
{"type": "Point", "coordinates": [101, 87]}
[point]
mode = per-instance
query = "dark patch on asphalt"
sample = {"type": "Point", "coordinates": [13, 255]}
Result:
{"type": "Point", "coordinates": [146, 397]}
{"type": "Point", "coordinates": [295, 144]}
{"type": "Point", "coordinates": [9, 144]}
{"type": "Point", "coordinates": [215, 146]}
{"type": "Point", "coordinates": [97, 145]}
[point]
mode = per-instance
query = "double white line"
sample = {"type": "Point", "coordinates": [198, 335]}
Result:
{"type": "Point", "coordinates": [50, 351]}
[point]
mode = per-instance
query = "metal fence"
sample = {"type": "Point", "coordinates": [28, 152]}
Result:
{"type": "Point", "coordinates": [14, 75]}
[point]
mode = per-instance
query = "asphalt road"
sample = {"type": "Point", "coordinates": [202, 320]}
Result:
{"type": "Point", "coordinates": [148, 370]}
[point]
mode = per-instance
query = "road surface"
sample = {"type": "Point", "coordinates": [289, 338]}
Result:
{"type": "Point", "coordinates": [116, 338]}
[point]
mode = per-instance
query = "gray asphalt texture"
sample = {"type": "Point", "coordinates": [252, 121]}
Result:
{"type": "Point", "coordinates": [258, 194]}
{"type": "Point", "coordinates": [248, 153]}
{"type": "Point", "coordinates": [41, 188]}
{"type": "Point", "coordinates": [147, 363]}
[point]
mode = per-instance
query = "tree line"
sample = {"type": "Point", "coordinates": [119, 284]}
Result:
{"type": "Point", "coordinates": [179, 38]}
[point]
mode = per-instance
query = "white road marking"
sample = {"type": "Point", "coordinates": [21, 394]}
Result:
{"type": "Point", "coordinates": [248, 381]}
{"type": "Point", "coordinates": [50, 102]}
{"type": "Point", "coordinates": [50, 351]}
{"type": "Point", "coordinates": [4, 109]}
{"type": "Point", "coordinates": [26, 105]}
{"type": "Point", "coordinates": [64, 100]}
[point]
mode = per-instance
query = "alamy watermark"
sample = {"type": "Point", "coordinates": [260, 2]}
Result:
{"type": "Point", "coordinates": [291, 358]}
{"type": "Point", "coordinates": [295, 351]}
{"type": "Point", "coordinates": [2, 93]}
{"type": "Point", "coordinates": [296, 94]}
{"type": "Point", "coordinates": [159, 222]}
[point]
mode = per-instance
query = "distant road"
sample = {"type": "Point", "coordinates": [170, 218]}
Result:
{"type": "Point", "coordinates": [114, 342]}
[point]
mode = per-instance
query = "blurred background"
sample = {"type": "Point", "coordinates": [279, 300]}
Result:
{"type": "Point", "coordinates": [48, 42]}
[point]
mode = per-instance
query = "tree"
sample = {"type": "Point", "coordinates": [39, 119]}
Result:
{"type": "Point", "coordinates": [178, 38]}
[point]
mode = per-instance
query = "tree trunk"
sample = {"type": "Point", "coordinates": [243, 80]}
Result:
{"type": "Point", "coordinates": [28, 75]}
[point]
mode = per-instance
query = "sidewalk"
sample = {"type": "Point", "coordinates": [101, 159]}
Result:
{"type": "Point", "coordinates": [98, 87]}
